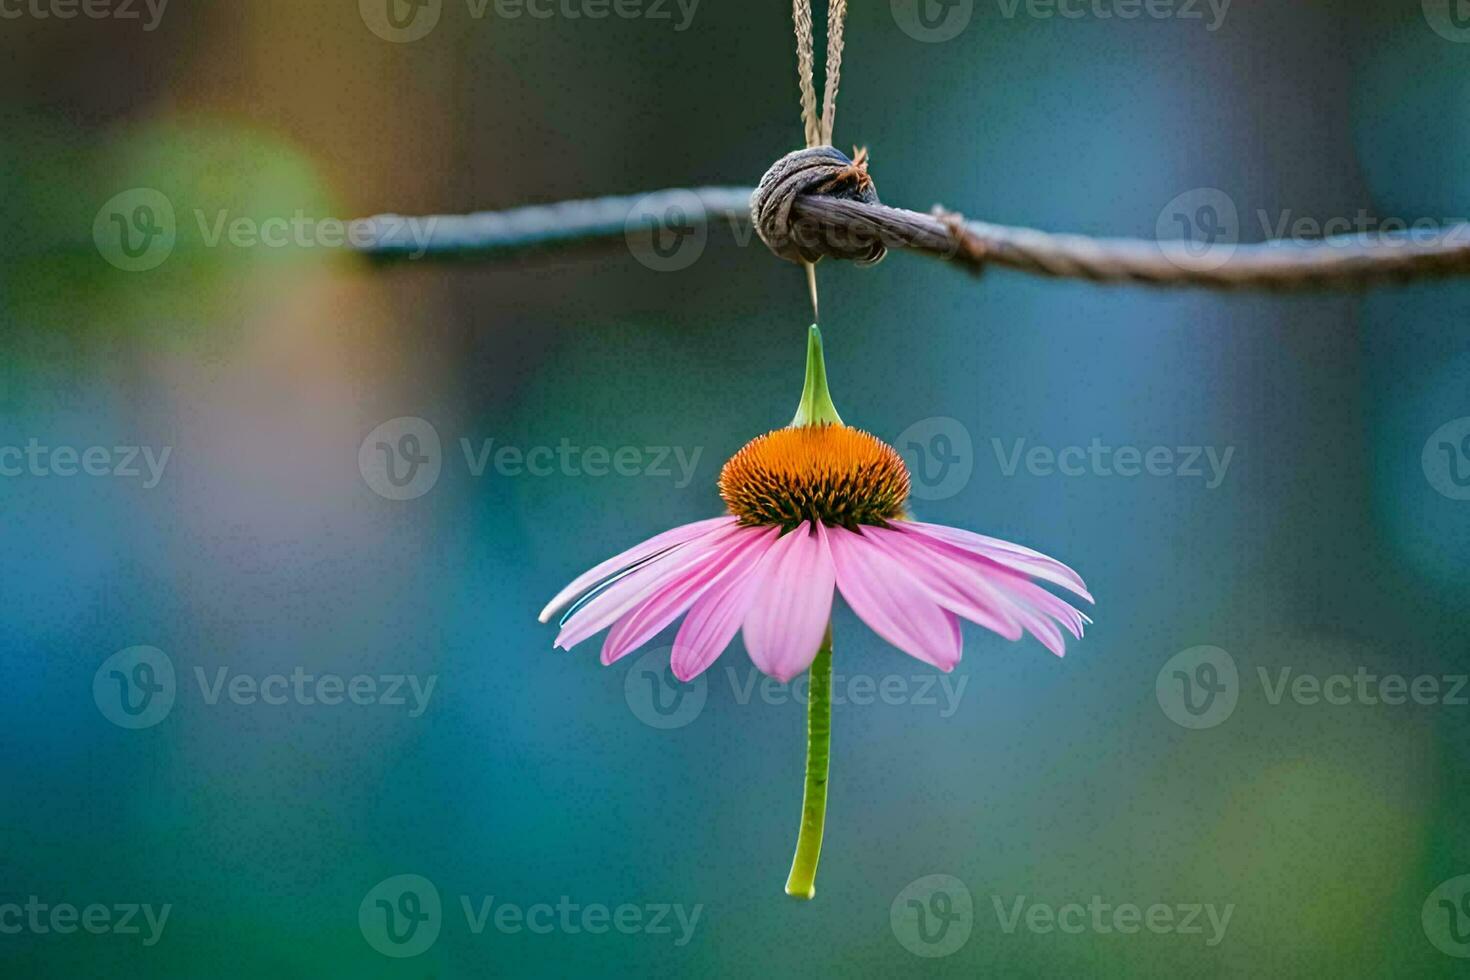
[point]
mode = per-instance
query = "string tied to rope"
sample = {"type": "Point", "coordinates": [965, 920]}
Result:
{"type": "Point", "coordinates": [818, 171]}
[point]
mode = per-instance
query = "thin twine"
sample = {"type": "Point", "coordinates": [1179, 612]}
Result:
{"type": "Point", "coordinates": [818, 132]}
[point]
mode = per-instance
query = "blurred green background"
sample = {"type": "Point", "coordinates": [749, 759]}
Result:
{"type": "Point", "coordinates": [1336, 540]}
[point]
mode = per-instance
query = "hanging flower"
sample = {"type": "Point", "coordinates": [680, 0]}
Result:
{"type": "Point", "coordinates": [814, 507]}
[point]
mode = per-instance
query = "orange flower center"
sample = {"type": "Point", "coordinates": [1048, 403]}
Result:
{"type": "Point", "coordinates": [830, 473]}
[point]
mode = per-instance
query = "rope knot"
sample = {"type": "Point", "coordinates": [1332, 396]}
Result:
{"type": "Point", "coordinates": [819, 171]}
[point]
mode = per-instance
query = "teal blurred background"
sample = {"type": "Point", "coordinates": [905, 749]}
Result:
{"type": "Point", "coordinates": [1337, 539]}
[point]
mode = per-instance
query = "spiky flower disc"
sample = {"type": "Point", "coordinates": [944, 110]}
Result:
{"type": "Point", "coordinates": [832, 473]}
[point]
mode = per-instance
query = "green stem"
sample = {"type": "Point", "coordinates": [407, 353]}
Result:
{"type": "Point", "coordinates": [802, 881]}
{"type": "Point", "coordinates": [815, 407]}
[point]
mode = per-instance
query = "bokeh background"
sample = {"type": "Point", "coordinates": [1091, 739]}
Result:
{"type": "Point", "coordinates": [1331, 544]}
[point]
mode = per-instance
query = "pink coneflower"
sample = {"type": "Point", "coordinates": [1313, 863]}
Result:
{"type": "Point", "coordinates": [814, 507]}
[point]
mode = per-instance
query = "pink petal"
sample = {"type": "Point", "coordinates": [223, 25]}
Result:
{"type": "Point", "coordinates": [659, 542]}
{"type": "Point", "coordinates": [1023, 600]}
{"type": "Point", "coordinates": [1005, 554]}
{"type": "Point", "coordinates": [893, 605]}
{"type": "Point", "coordinates": [623, 595]}
{"type": "Point", "coordinates": [959, 587]}
{"type": "Point", "coordinates": [714, 619]}
{"type": "Point", "coordinates": [677, 594]}
{"type": "Point", "coordinates": [792, 604]}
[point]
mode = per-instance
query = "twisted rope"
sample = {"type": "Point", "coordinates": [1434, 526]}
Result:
{"type": "Point", "coordinates": [801, 17]}
{"type": "Point", "coordinates": [818, 131]}
{"type": "Point", "coordinates": [836, 15]}
{"type": "Point", "coordinates": [834, 225]}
